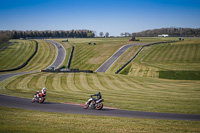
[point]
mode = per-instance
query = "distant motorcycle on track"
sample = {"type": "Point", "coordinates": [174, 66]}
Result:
{"type": "Point", "coordinates": [38, 98]}
{"type": "Point", "coordinates": [91, 103]}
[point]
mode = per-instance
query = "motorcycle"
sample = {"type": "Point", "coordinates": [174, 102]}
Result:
{"type": "Point", "coordinates": [93, 105]}
{"type": "Point", "coordinates": [37, 98]}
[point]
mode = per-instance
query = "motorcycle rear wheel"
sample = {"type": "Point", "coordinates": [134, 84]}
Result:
{"type": "Point", "coordinates": [33, 100]}
{"type": "Point", "coordinates": [42, 100]}
{"type": "Point", "coordinates": [99, 106]}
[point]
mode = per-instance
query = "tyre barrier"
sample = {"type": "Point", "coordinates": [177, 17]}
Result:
{"type": "Point", "coordinates": [70, 58]}
{"type": "Point", "coordinates": [66, 71]}
{"type": "Point", "coordinates": [139, 52]}
{"type": "Point", "coordinates": [23, 65]}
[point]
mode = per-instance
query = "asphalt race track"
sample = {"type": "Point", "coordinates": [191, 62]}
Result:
{"type": "Point", "coordinates": [5, 76]}
{"type": "Point", "coordinates": [24, 103]}
{"type": "Point", "coordinates": [60, 57]}
{"type": "Point", "coordinates": [104, 67]}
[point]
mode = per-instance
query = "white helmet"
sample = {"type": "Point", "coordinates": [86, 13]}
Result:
{"type": "Point", "coordinates": [44, 88]}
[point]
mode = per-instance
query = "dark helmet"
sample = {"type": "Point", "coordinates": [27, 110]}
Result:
{"type": "Point", "coordinates": [98, 93]}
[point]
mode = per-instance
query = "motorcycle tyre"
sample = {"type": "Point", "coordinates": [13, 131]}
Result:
{"type": "Point", "coordinates": [85, 106]}
{"type": "Point", "coordinates": [33, 100]}
{"type": "Point", "coordinates": [42, 100]}
{"type": "Point", "coordinates": [100, 106]}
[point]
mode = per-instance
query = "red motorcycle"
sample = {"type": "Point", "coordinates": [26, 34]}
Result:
{"type": "Point", "coordinates": [38, 98]}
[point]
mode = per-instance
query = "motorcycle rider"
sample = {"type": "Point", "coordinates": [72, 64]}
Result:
{"type": "Point", "coordinates": [99, 96]}
{"type": "Point", "coordinates": [42, 94]}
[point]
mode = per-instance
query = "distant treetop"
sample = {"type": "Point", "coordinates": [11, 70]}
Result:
{"type": "Point", "coordinates": [172, 31]}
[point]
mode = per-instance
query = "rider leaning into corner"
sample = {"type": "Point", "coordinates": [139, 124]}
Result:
{"type": "Point", "coordinates": [98, 97]}
{"type": "Point", "coordinates": [41, 93]}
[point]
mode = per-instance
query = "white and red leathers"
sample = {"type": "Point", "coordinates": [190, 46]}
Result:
{"type": "Point", "coordinates": [43, 92]}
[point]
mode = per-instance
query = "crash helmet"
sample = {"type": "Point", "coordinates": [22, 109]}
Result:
{"type": "Point", "coordinates": [98, 93]}
{"type": "Point", "coordinates": [44, 88]}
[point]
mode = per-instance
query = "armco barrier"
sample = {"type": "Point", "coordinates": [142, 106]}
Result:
{"type": "Point", "coordinates": [138, 53]}
{"type": "Point", "coordinates": [23, 65]}
{"type": "Point", "coordinates": [70, 58]}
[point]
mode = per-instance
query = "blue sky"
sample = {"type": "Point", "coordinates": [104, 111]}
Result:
{"type": "Point", "coordinates": [113, 16]}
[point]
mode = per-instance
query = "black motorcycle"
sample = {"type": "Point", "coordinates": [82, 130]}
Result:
{"type": "Point", "coordinates": [91, 103]}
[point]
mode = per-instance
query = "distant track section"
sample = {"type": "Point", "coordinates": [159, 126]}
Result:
{"type": "Point", "coordinates": [138, 53]}
{"type": "Point", "coordinates": [6, 46]}
{"type": "Point", "coordinates": [108, 63]}
{"type": "Point", "coordinates": [60, 57]}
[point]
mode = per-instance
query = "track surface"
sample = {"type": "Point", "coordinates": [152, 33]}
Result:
{"type": "Point", "coordinates": [23, 103]}
{"type": "Point", "coordinates": [5, 76]}
{"type": "Point", "coordinates": [6, 46]}
{"type": "Point", "coordinates": [104, 67]}
{"type": "Point", "coordinates": [60, 57]}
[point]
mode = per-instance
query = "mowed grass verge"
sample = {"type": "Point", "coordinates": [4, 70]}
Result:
{"type": "Point", "coordinates": [122, 91]}
{"type": "Point", "coordinates": [16, 54]}
{"type": "Point", "coordinates": [19, 120]}
{"type": "Point", "coordinates": [44, 57]}
{"type": "Point", "coordinates": [179, 56]}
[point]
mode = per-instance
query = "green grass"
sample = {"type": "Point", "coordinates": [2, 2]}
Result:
{"type": "Point", "coordinates": [122, 91]}
{"type": "Point", "coordinates": [179, 56]}
{"type": "Point", "coordinates": [19, 52]}
{"type": "Point", "coordinates": [4, 44]}
{"type": "Point", "coordinates": [136, 91]}
{"type": "Point", "coordinates": [174, 57]}
{"type": "Point", "coordinates": [180, 75]}
{"type": "Point", "coordinates": [16, 54]}
{"type": "Point", "coordinates": [19, 120]}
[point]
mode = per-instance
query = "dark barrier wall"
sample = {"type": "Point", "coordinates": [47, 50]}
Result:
{"type": "Point", "coordinates": [70, 58]}
{"type": "Point", "coordinates": [138, 53]}
{"type": "Point", "coordinates": [23, 65]}
{"type": "Point", "coordinates": [68, 71]}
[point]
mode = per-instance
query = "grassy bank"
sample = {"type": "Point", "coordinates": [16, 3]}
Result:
{"type": "Point", "coordinates": [124, 92]}
{"type": "Point", "coordinates": [19, 52]}
{"type": "Point", "coordinates": [179, 56]}
{"type": "Point", "coordinates": [16, 54]}
{"type": "Point", "coordinates": [180, 75]}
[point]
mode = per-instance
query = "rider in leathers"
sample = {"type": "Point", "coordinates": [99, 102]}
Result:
{"type": "Point", "coordinates": [98, 97]}
{"type": "Point", "coordinates": [42, 94]}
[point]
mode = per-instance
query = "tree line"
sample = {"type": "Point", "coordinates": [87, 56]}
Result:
{"type": "Point", "coordinates": [173, 32]}
{"type": "Point", "coordinates": [6, 35]}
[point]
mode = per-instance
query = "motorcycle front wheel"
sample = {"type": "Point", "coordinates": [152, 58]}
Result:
{"type": "Point", "coordinates": [99, 106]}
{"type": "Point", "coordinates": [85, 106]}
{"type": "Point", "coordinates": [33, 100]}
